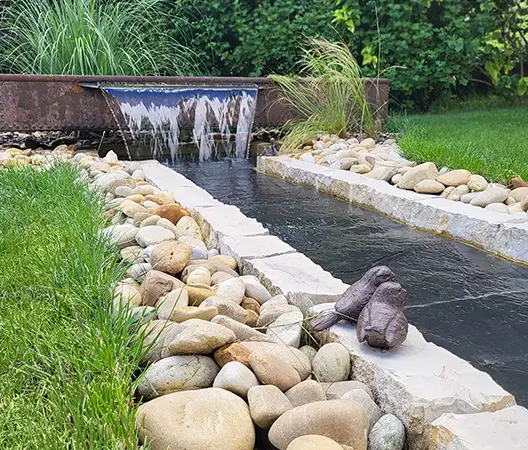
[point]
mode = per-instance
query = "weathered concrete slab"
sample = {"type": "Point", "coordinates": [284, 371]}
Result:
{"type": "Point", "coordinates": [251, 247]}
{"type": "Point", "coordinates": [418, 381]}
{"type": "Point", "coordinates": [188, 194]}
{"type": "Point", "coordinates": [297, 277]}
{"type": "Point", "coordinates": [502, 430]}
{"type": "Point", "coordinates": [497, 233]}
{"type": "Point", "coordinates": [218, 222]}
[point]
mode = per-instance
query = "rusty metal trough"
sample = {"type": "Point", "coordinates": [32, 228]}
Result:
{"type": "Point", "coordinates": [60, 103]}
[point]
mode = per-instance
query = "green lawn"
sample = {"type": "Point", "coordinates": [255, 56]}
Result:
{"type": "Point", "coordinates": [492, 143]}
{"type": "Point", "coordinates": [66, 366]}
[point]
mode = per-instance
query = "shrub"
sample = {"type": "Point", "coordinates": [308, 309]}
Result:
{"type": "Point", "coordinates": [92, 37]}
{"type": "Point", "coordinates": [256, 38]}
{"type": "Point", "coordinates": [330, 99]}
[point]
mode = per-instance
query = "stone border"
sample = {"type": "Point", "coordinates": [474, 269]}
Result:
{"type": "Point", "coordinates": [419, 382]}
{"type": "Point", "coordinates": [497, 233]}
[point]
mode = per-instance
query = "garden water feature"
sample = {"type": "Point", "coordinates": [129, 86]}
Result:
{"type": "Point", "coordinates": [461, 298]}
{"type": "Point", "coordinates": [162, 114]}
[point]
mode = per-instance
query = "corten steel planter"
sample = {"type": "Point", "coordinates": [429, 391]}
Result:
{"type": "Point", "coordinates": [60, 102]}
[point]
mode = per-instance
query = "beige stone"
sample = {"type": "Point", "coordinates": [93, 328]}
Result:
{"type": "Point", "coordinates": [126, 295]}
{"type": "Point", "coordinates": [183, 313]}
{"type": "Point", "coordinates": [250, 304]}
{"type": "Point", "coordinates": [477, 183]}
{"type": "Point", "coordinates": [235, 377]}
{"type": "Point", "coordinates": [454, 177]}
{"type": "Point", "coordinates": [224, 260]}
{"type": "Point", "coordinates": [187, 226]}
{"type": "Point", "coordinates": [270, 369]}
{"type": "Point", "coordinates": [519, 194]}
{"type": "Point", "coordinates": [266, 405]}
{"type": "Point", "coordinates": [201, 275]}
{"type": "Point", "coordinates": [314, 442]}
{"type": "Point", "coordinates": [196, 336]}
{"type": "Point", "coordinates": [156, 285]}
{"type": "Point", "coordinates": [197, 294]}
{"type": "Point", "coordinates": [429, 187]}
{"type": "Point", "coordinates": [298, 360]}
{"type": "Point", "coordinates": [425, 171]}
{"type": "Point", "coordinates": [152, 335]}
{"type": "Point", "coordinates": [232, 289]}
{"type": "Point", "coordinates": [226, 308]}
{"type": "Point", "coordinates": [149, 221]}
{"type": "Point", "coordinates": [199, 420]}
{"type": "Point", "coordinates": [170, 257]}
{"type": "Point", "coordinates": [251, 318]}
{"type": "Point", "coordinates": [176, 298]}
{"type": "Point", "coordinates": [307, 391]}
{"type": "Point", "coordinates": [242, 332]}
{"type": "Point", "coordinates": [344, 422]}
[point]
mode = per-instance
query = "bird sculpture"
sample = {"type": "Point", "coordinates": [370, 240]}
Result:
{"type": "Point", "coordinates": [382, 323]}
{"type": "Point", "coordinates": [354, 299]}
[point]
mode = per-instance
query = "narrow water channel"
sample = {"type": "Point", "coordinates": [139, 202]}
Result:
{"type": "Point", "coordinates": [461, 298]}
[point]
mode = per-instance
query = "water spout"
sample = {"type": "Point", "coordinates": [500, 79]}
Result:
{"type": "Point", "coordinates": [162, 112]}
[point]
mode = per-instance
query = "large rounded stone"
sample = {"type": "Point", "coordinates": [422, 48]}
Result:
{"type": "Point", "coordinates": [287, 329]}
{"type": "Point", "coordinates": [198, 248]}
{"type": "Point", "coordinates": [197, 294]}
{"type": "Point", "coordinates": [271, 313]}
{"type": "Point", "coordinates": [152, 335]}
{"type": "Point", "coordinates": [429, 187]}
{"type": "Point", "coordinates": [361, 397]}
{"type": "Point", "coordinates": [187, 226]}
{"type": "Point", "coordinates": [309, 351]}
{"type": "Point", "coordinates": [174, 299]}
{"type": "Point", "coordinates": [232, 289]}
{"type": "Point", "coordinates": [156, 285]}
{"type": "Point", "coordinates": [345, 422]}
{"type": "Point", "coordinates": [459, 192]}
{"type": "Point", "coordinates": [129, 208]}
{"type": "Point", "coordinates": [126, 295]}
{"type": "Point", "coordinates": [425, 171]}
{"type": "Point", "coordinates": [184, 313]}
{"type": "Point", "coordinates": [314, 442]}
{"type": "Point", "coordinates": [236, 378]}
{"type": "Point", "coordinates": [266, 405]}
{"type": "Point", "coordinates": [199, 276]}
{"type": "Point", "coordinates": [226, 308]}
{"type": "Point", "coordinates": [387, 434]}
{"type": "Point", "coordinates": [270, 369]}
{"type": "Point", "coordinates": [519, 194]}
{"type": "Point", "coordinates": [492, 194]}
{"type": "Point", "coordinates": [121, 235]}
{"type": "Point", "coordinates": [477, 183]}
{"type": "Point", "coordinates": [172, 212]}
{"type": "Point", "coordinates": [254, 289]}
{"type": "Point", "coordinates": [196, 336]}
{"type": "Point", "coordinates": [298, 360]}
{"type": "Point", "coordinates": [224, 260]}
{"type": "Point", "coordinates": [332, 363]}
{"type": "Point", "coordinates": [178, 373]}
{"type": "Point", "coordinates": [454, 177]}
{"type": "Point", "coordinates": [153, 235]}
{"type": "Point", "coordinates": [170, 257]}
{"type": "Point", "coordinates": [306, 392]}
{"type": "Point", "coordinates": [198, 420]}
{"type": "Point", "coordinates": [132, 254]}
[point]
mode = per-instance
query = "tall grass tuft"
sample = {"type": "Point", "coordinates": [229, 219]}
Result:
{"type": "Point", "coordinates": [92, 37]}
{"type": "Point", "coordinates": [330, 98]}
{"type": "Point", "coordinates": [67, 364]}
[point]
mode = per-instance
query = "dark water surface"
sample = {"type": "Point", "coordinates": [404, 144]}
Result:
{"type": "Point", "coordinates": [469, 302]}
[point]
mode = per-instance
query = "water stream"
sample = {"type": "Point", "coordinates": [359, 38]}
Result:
{"type": "Point", "coordinates": [159, 114]}
{"type": "Point", "coordinates": [471, 303]}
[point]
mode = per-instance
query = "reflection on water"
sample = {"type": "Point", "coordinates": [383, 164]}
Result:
{"type": "Point", "coordinates": [463, 299]}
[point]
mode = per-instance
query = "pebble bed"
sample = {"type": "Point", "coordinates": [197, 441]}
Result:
{"type": "Point", "coordinates": [226, 364]}
{"type": "Point", "coordinates": [384, 161]}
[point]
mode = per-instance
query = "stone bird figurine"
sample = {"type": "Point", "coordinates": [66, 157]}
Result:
{"type": "Point", "coordinates": [354, 299]}
{"type": "Point", "coordinates": [382, 323]}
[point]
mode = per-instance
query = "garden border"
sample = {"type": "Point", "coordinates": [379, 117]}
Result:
{"type": "Point", "coordinates": [497, 233]}
{"type": "Point", "coordinates": [419, 382]}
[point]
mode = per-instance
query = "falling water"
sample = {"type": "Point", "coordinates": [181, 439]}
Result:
{"type": "Point", "coordinates": [162, 112]}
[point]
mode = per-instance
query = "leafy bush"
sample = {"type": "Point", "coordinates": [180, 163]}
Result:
{"type": "Point", "coordinates": [256, 37]}
{"type": "Point", "coordinates": [92, 37]}
{"type": "Point", "coordinates": [428, 47]}
{"type": "Point", "coordinates": [331, 99]}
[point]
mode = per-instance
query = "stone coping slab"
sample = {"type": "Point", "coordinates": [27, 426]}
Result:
{"type": "Point", "coordinates": [422, 384]}
{"type": "Point", "coordinates": [417, 381]}
{"type": "Point", "coordinates": [251, 247]}
{"type": "Point", "coordinates": [498, 233]}
{"type": "Point", "coordinates": [501, 430]}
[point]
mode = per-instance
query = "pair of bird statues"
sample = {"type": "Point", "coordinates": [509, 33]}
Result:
{"type": "Point", "coordinates": [375, 304]}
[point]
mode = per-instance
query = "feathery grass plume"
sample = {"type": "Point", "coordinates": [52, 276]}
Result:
{"type": "Point", "coordinates": [91, 37]}
{"type": "Point", "coordinates": [331, 98]}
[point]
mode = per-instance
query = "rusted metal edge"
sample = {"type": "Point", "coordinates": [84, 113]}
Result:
{"type": "Point", "coordinates": [60, 102]}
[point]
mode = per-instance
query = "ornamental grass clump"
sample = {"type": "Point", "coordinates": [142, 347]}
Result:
{"type": "Point", "coordinates": [331, 98]}
{"type": "Point", "coordinates": [92, 37]}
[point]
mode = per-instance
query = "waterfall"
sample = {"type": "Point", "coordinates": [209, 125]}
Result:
{"type": "Point", "coordinates": [160, 113]}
